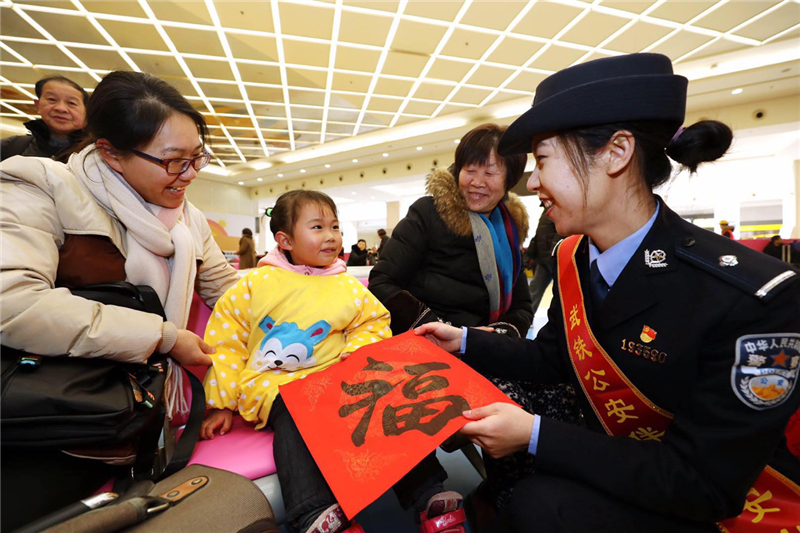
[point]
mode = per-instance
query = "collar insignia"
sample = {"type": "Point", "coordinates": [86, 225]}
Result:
{"type": "Point", "coordinates": [655, 259]}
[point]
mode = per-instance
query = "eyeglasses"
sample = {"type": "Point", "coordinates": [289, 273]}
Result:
{"type": "Point", "coordinates": [177, 166]}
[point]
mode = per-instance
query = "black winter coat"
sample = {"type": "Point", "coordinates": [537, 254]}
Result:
{"type": "Point", "coordinates": [711, 299]}
{"type": "Point", "coordinates": [358, 257]}
{"type": "Point", "coordinates": [37, 144]}
{"type": "Point", "coordinates": [544, 240]}
{"type": "Point", "coordinates": [430, 266]}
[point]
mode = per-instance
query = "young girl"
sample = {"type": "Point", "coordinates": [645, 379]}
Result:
{"type": "Point", "coordinates": [298, 314]}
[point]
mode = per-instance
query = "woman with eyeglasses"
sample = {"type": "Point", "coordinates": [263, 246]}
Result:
{"type": "Point", "coordinates": [116, 211]}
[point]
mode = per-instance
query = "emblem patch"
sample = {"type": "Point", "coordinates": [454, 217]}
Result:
{"type": "Point", "coordinates": [728, 261]}
{"type": "Point", "coordinates": [766, 368]}
{"type": "Point", "coordinates": [655, 259]}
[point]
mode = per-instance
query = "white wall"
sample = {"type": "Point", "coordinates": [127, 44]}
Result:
{"type": "Point", "coordinates": [219, 197]}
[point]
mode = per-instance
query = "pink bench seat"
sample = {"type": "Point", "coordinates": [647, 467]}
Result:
{"type": "Point", "coordinates": [243, 451]}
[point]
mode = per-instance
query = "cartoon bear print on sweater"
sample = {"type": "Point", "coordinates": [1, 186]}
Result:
{"type": "Point", "coordinates": [287, 347]}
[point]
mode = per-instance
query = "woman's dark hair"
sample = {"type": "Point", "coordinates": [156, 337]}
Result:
{"type": "Point", "coordinates": [476, 147]}
{"type": "Point", "coordinates": [287, 209]}
{"type": "Point", "coordinates": [248, 232]}
{"type": "Point", "coordinates": [774, 238]}
{"type": "Point", "coordinates": [39, 87]}
{"type": "Point", "coordinates": [361, 240]}
{"type": "Point", "coordinates": [704, 141]}
{"type": "Point", "coordinates": [128, 108]}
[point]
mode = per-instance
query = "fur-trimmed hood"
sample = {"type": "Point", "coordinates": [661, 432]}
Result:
{"type": "Point", "coordinates": [453, 209]}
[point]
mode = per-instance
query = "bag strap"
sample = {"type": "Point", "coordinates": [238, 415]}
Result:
{"type": "Point", "coordinates": [191, 432]}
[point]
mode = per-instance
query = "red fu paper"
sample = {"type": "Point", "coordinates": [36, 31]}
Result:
{"type": "Point", "coordinates": [371, 418]}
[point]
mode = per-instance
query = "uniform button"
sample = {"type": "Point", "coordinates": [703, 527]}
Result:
{"type": "Point", "coordinates": [688, 241]}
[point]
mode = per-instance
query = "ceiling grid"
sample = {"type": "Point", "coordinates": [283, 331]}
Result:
{"type": "Point", "coordinates": [281, 76]}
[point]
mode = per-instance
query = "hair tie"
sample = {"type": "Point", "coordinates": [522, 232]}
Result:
{"type": "Point", "coordinates": [268, 211]}
{"type": "Point", "coordinates": [677, 134]}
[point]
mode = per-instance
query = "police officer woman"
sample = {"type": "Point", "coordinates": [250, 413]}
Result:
{"type": "Point", "coordinates": [684, 345]}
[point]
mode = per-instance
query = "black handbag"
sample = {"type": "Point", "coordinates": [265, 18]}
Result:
{"type": "Point", "coordinates": [94, 403]}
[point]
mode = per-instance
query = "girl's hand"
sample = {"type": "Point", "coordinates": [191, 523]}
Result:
{"type": "Point", "coordinates": [221, 419]}
{"type": "Point", "coordinates": [445, 337]}
{"type": "Point", "coordinates": [500, 428]}
{"type": "Point", "coordinates": [345, 355]}
{"type": "Point", "coordinates": [190, 349]}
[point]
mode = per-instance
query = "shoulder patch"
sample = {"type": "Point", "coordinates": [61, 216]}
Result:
{"type": "Point", "coordinates": [766, 367]}
{"type": "Point", "coordinates": [751, 271]}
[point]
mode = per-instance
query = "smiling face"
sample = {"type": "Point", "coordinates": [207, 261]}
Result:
{"type": "Point", "coordinates": [483, 186]}
{"type": "Point", "coordinates": [62, 109]}
{"type": "Point", "coordinates": [316, 238]}
{"type": "Point", "coordinates": [572, 209]}
{"type": "Point", "coordinates": [177, 138]}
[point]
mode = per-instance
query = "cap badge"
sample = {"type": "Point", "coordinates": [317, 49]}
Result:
{"type": "Point", "coordinates": [648, 334]}
{"type": "Point", "coordinates": [728, 261]}
{"type": "Point", "coordinates": [655, 259]}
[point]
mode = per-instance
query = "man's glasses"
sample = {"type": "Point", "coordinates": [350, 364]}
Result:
{"type": "Point", "coordinates": [177, 166]}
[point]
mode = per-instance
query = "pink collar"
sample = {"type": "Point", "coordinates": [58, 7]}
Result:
{"type": "Point", "coordinates": [278, 259]}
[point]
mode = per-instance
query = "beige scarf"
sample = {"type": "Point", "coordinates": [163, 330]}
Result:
{"type": "Point", "coordinates": [160, 248]}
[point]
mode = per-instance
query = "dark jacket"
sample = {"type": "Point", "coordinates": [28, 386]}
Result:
{"type": "Point", "coordinates": [384, 240]}
{"type": "Point", "coordinates": [773, 250]}
{"type": "Point", "coordinates": [702, 312]}
{"type": "Point", "coordinates": [430, 265]}
{"type": "Point", "coordinates": [246, 252]}
{"type": "Point", "coordinates": [38, 143]}
{"type": "Point", "coordinates": [358, 257]}
{"type": "Point", "coordinates": [540, 249]}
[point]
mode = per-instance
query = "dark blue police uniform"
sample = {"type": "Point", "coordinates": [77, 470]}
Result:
{"type": "Point", "coordinates": [716, 312]}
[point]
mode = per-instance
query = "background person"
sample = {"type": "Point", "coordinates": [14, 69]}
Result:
{"type": "Point", "coordinates": [684, 365]}
{"type": "Point", "coordinates": [540, 252]}
{"type": "Point", "coordinates": [725, 229]}
{"type": "Point", "coordinates": [247, 250]}
{"type": "Point", "coordinates": [455, 257]}
{"type": "Point", "coordinates": [358, 254]}
{"type": "Point", "coordinates": [62, 105]}
{"type": "Point", "coordinates": [124, 192]}
{"type": "Point", "coordinates": [384, 239]}
{"type": "Point", "coordinates": [774, 247]}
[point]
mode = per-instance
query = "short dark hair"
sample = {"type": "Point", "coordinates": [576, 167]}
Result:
{"type": "Point", "coordinates": [128, 108]}
{"type": "Point", "coordinates": [287, 209]}
{"type": "Point", "coordinates": [381, 232]}
{"type": "Point", "coordinates": [248, 232]}
{"type": "Point", "coordinates": [774, 238]}
{"type": "Point", "coordinates": [361, 240]}
{"type": "Point", "coordinates": [476, 147]}
{"type": "Point", "coordinates": [39, 87]}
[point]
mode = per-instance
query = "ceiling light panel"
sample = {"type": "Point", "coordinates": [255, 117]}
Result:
{"type": "Point", "coordinates": [278, 76]}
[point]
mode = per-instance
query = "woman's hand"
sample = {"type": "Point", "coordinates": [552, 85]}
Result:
{"type": "Point", "coordinates": [221, 419]}
{"type": "Point", "coordinates": [500, 428]}
{"type": "Point", "coordinates": [191, 350]}
{"type": "Point", "coordinates": [445, 337]}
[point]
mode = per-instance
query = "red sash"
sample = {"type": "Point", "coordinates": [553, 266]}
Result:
{"type": "Point", "coordinates": [773, 503]}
